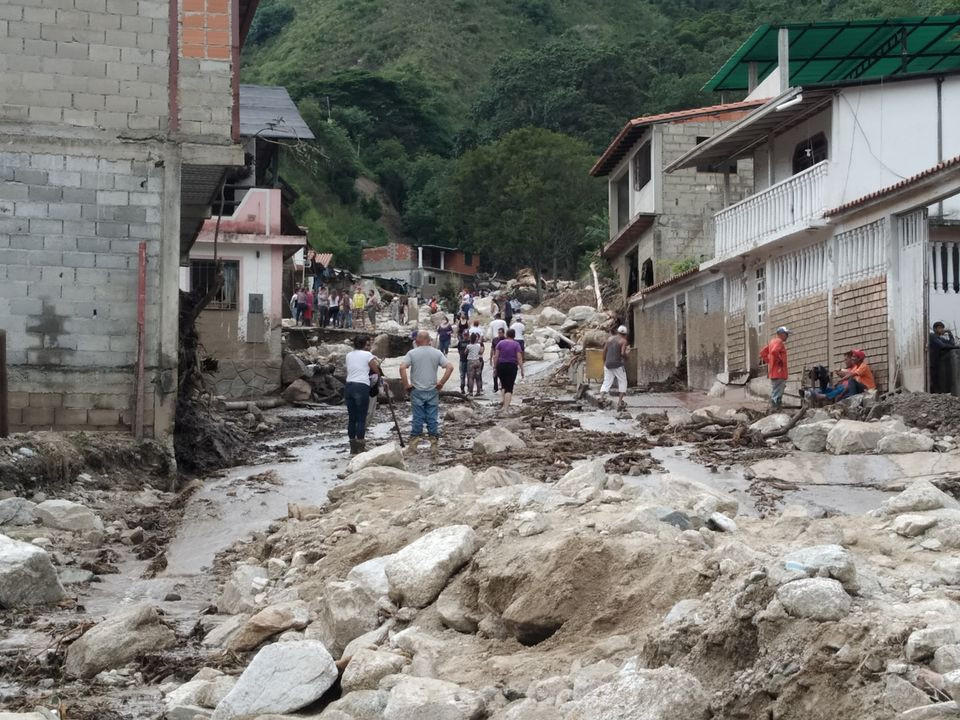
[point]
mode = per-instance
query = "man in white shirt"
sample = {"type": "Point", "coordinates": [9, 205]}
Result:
{"type": "Point", "coordinates": [495, 326]}
{"type": "Point", "coordinates": [362, 367]}
{"type": "Point", "coordinates": [518, 327]}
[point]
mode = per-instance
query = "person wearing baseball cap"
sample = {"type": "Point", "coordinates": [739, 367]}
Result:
{"type": "Point", "coordinates": [856, 378]}
{"type": "Point", "coordinates": [615, 352]}
{"type": "Point", "coordinates": [774, 355]}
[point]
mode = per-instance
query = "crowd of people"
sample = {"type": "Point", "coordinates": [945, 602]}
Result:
{"type": "Point", "coordinates": [333, 307]}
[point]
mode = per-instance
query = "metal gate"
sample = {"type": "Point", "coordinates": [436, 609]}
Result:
{"type": "Point", "coordinates": [910, 313]}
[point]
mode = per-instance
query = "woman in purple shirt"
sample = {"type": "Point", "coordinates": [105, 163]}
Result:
{"type": "Point", "coordinates": [507, 361]}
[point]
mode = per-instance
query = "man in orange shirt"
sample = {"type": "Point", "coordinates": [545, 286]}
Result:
{"type": "Point", "coordinates": [856, 378]}
{"type": "Point", "coordinates": [774, 354]}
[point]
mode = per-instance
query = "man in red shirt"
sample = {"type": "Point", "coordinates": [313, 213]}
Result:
{"type": "Point", "coordinates": [774, 354]}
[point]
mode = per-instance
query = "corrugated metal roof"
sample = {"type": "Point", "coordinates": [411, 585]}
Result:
{"type": "Point", "coordinates": [268, 111]}
{"type": "Point", "coordinates": [632, 130]}
{"type": "Point", "coordinates": [890, 189]}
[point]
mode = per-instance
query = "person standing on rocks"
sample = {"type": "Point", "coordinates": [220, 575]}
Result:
{"type": "Point", "coordinates": [507, 362]}
{"type": "Point", "coordinates": [361, 366]}
{"type": "Point", "coordinates": [474, 364]}
{"type": "Point", "coordinates": [373, 305]}
{"type": "Point", "coordinates": [323, 307]}
{"type": "Point", "coordinates": [518, 327]}
{"type": "Point", "coordinates": [615, 352]}
{"type": "Point", "coordinates": [359, 305]}
{"type": "Point", "coordinates": [774, 354]}
{"type": "Point", "coordinates": [418, 371]}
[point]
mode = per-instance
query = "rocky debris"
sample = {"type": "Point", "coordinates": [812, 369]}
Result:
{"type": "Point", "coordinates": [910, 525]}
{"type": "Point", "coordinates": [270, 621]}
{"type": "Point", "coordinates": [496, 440]}
{"type": "Point", "coordinates": [552, 316]}
{"type": "Point", "coordinates": [951, 683]}
{"type": "Point", "coordinates": [388, 455]}
{"type": "Point", "coordinates": [902, 695]}
{"type": "Point", "coordinates": [292, 369]}
{"type": "Point", "coordinates": [240, 591]}
{"type": "Point", "coordinates": [590, 476]}
{"type": "Point", "coordinates": [367, 667]}
{"type": "Point", "coordinates": [201, 694]}
{"type": "Point", "coordinates": [281, 678]}
{"type": "Point", "coordinates": [825, 561]}
{"type": "Point", "coordinates": [815, 599]}
{"type": "Point", "coordinates": [345, 611]}
{"type": "Point", "coordinates": [904, 442]}
{"type": "Point", "coordinates": [422, 698]}
{"type": "Point", "coordinates": [16, 511]}
{"type": "Point", "coordinates": [721, 523]}
{"type": "Point", "coordinates": [67, 515]}
{"type": "Point", "coordinates": [371, 575]}
{"type": "Point", "coordinates": [663, 694]}
{"type": "Point", "coordinates": [811, 437]}
{"type": "Point", "coordinates": [298, 391]}
{"type": "Point", "coordinates": [456, 480]}
{"type": "Point", "coordinates": [854, 436]}
{"type": "Point", "coordinates": [219, 636]}
{"type": "Point", "coordinates": [117, 640]}
{"type": "Point", "coordinates": [919, 496]}
{"type": "Point", "coordinates": [770, 423]}
{"type": "Point", "coordinates": [923, 644]}
{"type": "Point", "coordinates": [418, 572]}
{"type": "Point", "coordinates": [496, 477]}
{"type": "Point", "coordinates": [946, 659]}
{"type": "Point", "coordinates": [27, 577]}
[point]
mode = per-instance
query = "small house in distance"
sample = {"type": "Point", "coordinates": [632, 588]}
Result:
{"type": "Point", "coordinates": [241, 327]}
{"type": "Point", "coordinates": [423, 268]}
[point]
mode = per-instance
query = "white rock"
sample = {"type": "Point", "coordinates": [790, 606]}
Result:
{"type": "Point", "coordinates": [911, 525]}
{"type": "Point", "coordinates": [951, 683]}
{"type": "Point", "coordinates": [453, 612]}
{"type": "Point", "coordinates": [495, 441]}
{"type": "Point", "coordinates": [347, 611]}
{"type": "Point", "coordinates": [685, 612]}
{"type": "Point", "coordinates": [904, 442]}
{"type": "Point", "coordinates": [367, 667]}
{"type": "Point", "coordinates": [552, 316]}
{"type": "Point", "coordinates": [825, 561]}
{"type": "Point", "coordinates": [593, 676]}
{"type": "Point", "coordinates": [240, 591]}
{"type": "Point", "coordinates": [494, 477]}
{"type": "Point", "coordinates": [371, 575]}
{"type": "Point", "coordinates": [370, 640]}
{"type": "Point", "coordinates": [815, 599]}
{"type": "Point", "coordinates": [282, 678]}
{"type": "Point", "coordinates": [586, 475]}
{"type": "Point", "coordinates": [946, 659]}
{"type": "Point", "coordinates": [902, 695]}
{"type": "Point", "coordinates": [533, 351]}
{"type": "Point", "coordinates": [920, 495]}
{"type": "Point", "coordinates": [389, 455]}
{"type": "Point", "coordinates": [853, 436]}
{"type": "Point", "coordinates": [421, 698]}
{"type": "Point", "coordinates": [581, 313]}
{"type": "Point", "coordinates": [531, 523]}
{"type": "Point", "coordinates": [184, 702]}
{"type": "Point", "coordinates": [452, 481]}
{"type": "Point", "coordinates": [27, 577]}
{"type": "Point", "coordinates": [922, 644]}
{"type": "Point", "coordinates": [721, 523]}
{"type": "Point", "coordinates": [418, 572]}
{"type": "Point", "coordinates": [66, 515]}
{"type": "Point", "coordinates": [16, 511]}
{"type": "Point", "coordinates": [220, 636]}
{"type": "Point", "coordinates": [117, 640]}
{"type": "Point", "coordinates": [811, 437]}
{"type": "Point", "coordinates": [770, 423]}
{"type": "Point", "coordinates": [216, 689]}
{"type": "Point", "coordinates": [666, 693]}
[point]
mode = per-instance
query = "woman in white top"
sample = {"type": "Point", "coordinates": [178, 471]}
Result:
{"type": "Point", "coordinates": [361, 366]}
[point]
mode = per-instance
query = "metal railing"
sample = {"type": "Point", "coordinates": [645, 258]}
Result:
{"type": "Point", "coordinates": [788, 206]}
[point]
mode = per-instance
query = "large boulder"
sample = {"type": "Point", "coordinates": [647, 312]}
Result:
{"type": "Point", "coordinates": [533, 351]}
{"type": "Point", "coordinates": [853, 436]}
{"type": "Point", "coordinates": [811, 437]}
{"type": "Point", "coordinates": [371, 575]}
{"type": "Point", "coordinates": [495, 441]}
{"type": "Point", "coordinates": [357, 705]}
{"type": "Point", "coordinates": [297, 391]}
{"type": "Point", "coordinates": [919, 496]}
{"type": "Point", "coordinates": [282, 678]}
{"type": "Point", "coordinates": [911, 525]}
{"type": "Point", "coordinates": [552, 316]}
{"type": "Point", "coordinates": [367, 667]}
{"type": "Point", "coordinates": [346, 611]}
{"type": "Point", "coordinates": [16, 511]}
{"type": "Point", "coordinates": [594, 338]}
{"type": "Point", "coordinates": [240, 591]}
{"type": "Point", "coordinates": [66, 515]}
{"type": "Point", "coordinates": [422, 698]}
{"type": "Point", "coordinates": [418, 572]}
{"type": "Point", "coordinates": [666, 693]}
{"type": "Point", "coordinates": [292, 368]}
{"type": "Point", "coordinates": [27, 577]}
{"type": "Point", "coordinates": [495, 477]}
{"type": "Point", "coordinates": [904, 442]}
{"type": "Point", "coordinates": [814, 599]}
{"type": "Point", "coordinates": [590, 475]}
{"type": "Point", "coordinates": [824, 561]}
{"type": "Point", "coordinates": [387, 455]}
{"type": "Point", "coordinates": [770, 423]}
{"type": "Point", "coordinates": [117, 640]}
{"type": "Point", "coordinates": [270, 621]}
{"type": "Point", "coordinates": [581, 313]}
{"type": "Point", "coordinates": [923, 644]}
{"type": "Point", "coordinates": [220, 636]}
{"type": "Point", "coordinates": [456, 480]}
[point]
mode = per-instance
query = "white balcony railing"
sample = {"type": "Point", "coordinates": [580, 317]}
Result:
{"type": "Point", "coordinates": [781, 209]}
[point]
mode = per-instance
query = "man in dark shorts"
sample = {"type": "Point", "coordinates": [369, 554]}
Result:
{"type": "Point", "coordinates": [507, 362]}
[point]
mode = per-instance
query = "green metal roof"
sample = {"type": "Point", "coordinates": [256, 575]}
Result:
{"type": "Point", "coordinates": [838, 51]}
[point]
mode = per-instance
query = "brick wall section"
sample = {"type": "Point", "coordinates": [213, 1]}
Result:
{"type": "Point", "coordinates": [690, 198]}
{"type": "Point", "coordinates": [89, 63]}
{"type": "Point", "coordinates": [810, 332]}
{"type": "Point", "coordinates": [70, 229]}
{"type": "Point", "coordinates": [860, 321]}
{"type": "Point", "coordinates": [205, 30]}
{"type": "Point", "coordinates": [456, 262]}
{"type": "Point", "coordinates": [393, 256]}
{"type": "Point", "coordinates": [736, 342]}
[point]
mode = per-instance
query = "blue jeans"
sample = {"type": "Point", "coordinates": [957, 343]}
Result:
{"type": "Point", "coordinates": [777, 386]}
{"type": "Point", "coordinates": [444, 345]}
{"type": "Point", "coordinates": [426, 408]}
{"type": "Point", "coordinates": [357, 396]}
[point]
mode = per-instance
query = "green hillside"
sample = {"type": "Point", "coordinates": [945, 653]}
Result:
{"type": "Point", "coordinates": [412, 85]}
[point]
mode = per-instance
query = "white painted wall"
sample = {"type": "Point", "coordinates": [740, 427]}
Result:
{"type": "Point", "coordinates": [645, 199]}
{"type": "Point", "coordinates": [783, 146]}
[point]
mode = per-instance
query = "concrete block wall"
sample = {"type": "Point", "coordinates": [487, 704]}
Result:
{"type": "Point", "coordinates": [860, 322]}
{"type": "Point", "coordinates": [706, 334]}
{"type": "Point", "coordinates": [206, 89]}
{"type": "Point", "coordinates": [85, 63]}
{"type": "Point", "coordinates": [809, 323]}
{"type": "Point", "coordinates": [690, 198]}
{"type": "Point", "coordinates": [70, 228]}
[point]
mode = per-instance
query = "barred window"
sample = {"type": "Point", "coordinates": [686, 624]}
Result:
{"type": "Point", "coordinates": [202, 276]}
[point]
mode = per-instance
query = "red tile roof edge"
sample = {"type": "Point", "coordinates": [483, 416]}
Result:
{"type": "Point", "coordinates": [645, 120]}
{"type": "Point", "coordinates": [900, 185]}
{"type": "Point", "coordinates": [664, 283]}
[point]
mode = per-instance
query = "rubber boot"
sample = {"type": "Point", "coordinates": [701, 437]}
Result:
{"type": "Point", "coordinates": [353, 446]}
{"type": "Point", "coordinates": [361, 445]}
{"type": "Point", "coordinates": [434, 445]}
{"type": "Point", "coordinates": [413, 444]}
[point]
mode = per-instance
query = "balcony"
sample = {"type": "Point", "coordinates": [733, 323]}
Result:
{"type": "Point", "coordinates": [789, 206]}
